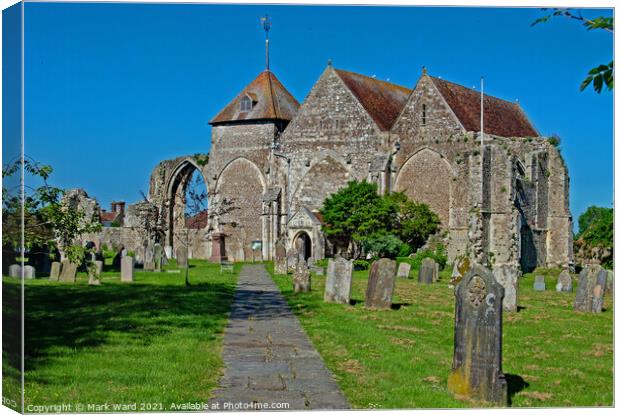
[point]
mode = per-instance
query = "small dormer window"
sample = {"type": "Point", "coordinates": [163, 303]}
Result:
{"type": "Point", "coordinates": [423, 114]}
{"type": "Point", "coordinates": [246, 104]}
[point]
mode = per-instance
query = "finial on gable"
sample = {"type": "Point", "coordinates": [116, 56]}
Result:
{"type": "Point", "coordinates": [424, 71]}
{"type": "Point", "coordinates": [329, 62]}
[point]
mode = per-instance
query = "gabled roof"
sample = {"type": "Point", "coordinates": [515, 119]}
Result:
{"type": "Point", "coordinates": [271, 101]}
{"type": "Point", "coordinates": [502, 118]}
{"type": "Point", "coordinates": [382, 100]}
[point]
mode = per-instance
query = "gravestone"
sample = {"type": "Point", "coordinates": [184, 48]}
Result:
{"type": "Point", "coordinates": [428, 271]}
{"type": "Point", "coordinates": [15, 271]}
{"type": "Point", "coordinates": [477, 362]}
{"type": "Point", "coordinates": [149, 258]}
{"type": "Point", "coordinates": [339, 281]}
{"type": "Point", "coordinates": [318, 270]}
{"type": "Point", "coordinates": [158, 251]}
{"type": "Point", "coordinates": [508, 277]}
{"type": "Point", "coordinates": [301, 277]}
{"type": "Point", "coordinates": [68, 271]}
{"type": "Point", "coordinates": [55, 271]}
{"type": "Point", "coordinates": [29, 272]}
{"type": "Point", "coordinates": [403, 270]}
{"type": "Point", "coordinates": [381, 282]}
{"type": "Point", "coordinates": [280, 266]}
{"type": "Point", "coordinates": [461, 267]}
{"type": "Point", "coordinates": [182, 257]}
{"type": "Point", "coordinates": [539, 283]}
{"type": "Point", "coordinates": [565, 282]}
{"type": "Point", "coordinates": [127, 269]}
{"type": "Point", "coordinates": [291, 260]}
{"type": "Point", "coordinates": [610, 283]}
{"type": "Point", "coordinates": [589, 278]}
{"type": "Point", "coordinates": [598, 293]}
{"type": "Point", "coordinates": [94, 272]}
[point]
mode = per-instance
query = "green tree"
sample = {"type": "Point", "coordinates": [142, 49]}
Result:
{"type": "Point", "coordinates": [415, 222]}
{"type": "Point", "coordinates": [603, 73]}
{"type": "Point", "coordinates": [48, 221]}
{"type": "Point", "coordinates": [356, 212]}
{"type": "Point", "coordinates": [596, 231]}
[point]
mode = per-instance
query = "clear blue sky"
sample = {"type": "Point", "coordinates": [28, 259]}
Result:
{"type": "Point", "coordinates": [111, 89]}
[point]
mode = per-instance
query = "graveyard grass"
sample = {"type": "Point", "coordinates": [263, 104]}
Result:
{"type": "Point", "coordinates": [401, 358]}
{"type": "Point", "coordinates": [153, 340]}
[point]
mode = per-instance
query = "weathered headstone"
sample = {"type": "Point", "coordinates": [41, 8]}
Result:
{"type": "Point", "coordinates": [477, 362]}
{"type": "Point", "coordinates": [428, 271]}
{"type": "Point", "coordinates": [461, 267]}
{"type": "Point", "coordinates": [339, 281]}
{"type": "Point", "coordinates": [291, 260]}
{"type": "Point", "coordinates": [280, 266]}
{"type": "Point", "coordinates": [55, 271]}
{"type": "Point", "coordinates": [127, 269]}
{"type": "Point", "coordinates": [317, 270]}
{"type": "Point", "coordinates": [29, 272]}
{"type": "Point", "coordinates": [158, 251]}
{"type": "Point", "coordinates": [301, 277]}
{"type": "Point", "coordinates": [403, 270]}
{"type": "Point", "coordinates": [68, 271]}
{"type": "Point", "coordinates": [508, 277]}
{"type": "Point", "coordinates": [94, 272]}
{"type": "Point", "coordinates": [149, 258]}
{"type": "Point", "coordinates": [539, 283]}
{"type": "Point", "coordinates": [381, 282]}
{"type": "Point", "coordinates": [565, 282]}
{"type": "Point", "coordinates": [15, 271]}
{"type": "Point", "coordinates": [598, 293]}
{"type": "Point", "coordinates": [589, 278]}
{"type": "Point", "coordinates": [610, 283]}
{"type": "Point", "coordinates": [182, 257]}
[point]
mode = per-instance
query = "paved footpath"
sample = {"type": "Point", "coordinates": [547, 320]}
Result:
{"type": "Point", "coordinates": [268, 356]}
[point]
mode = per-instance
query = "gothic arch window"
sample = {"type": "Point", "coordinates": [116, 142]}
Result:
{"type": "Point", "coordinates": [246, 104]}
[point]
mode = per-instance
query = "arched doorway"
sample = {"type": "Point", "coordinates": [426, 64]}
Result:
{"type": "Point", "coordinates": [187, 211]}
{"type": "Point", "coordinates": [303, 244]}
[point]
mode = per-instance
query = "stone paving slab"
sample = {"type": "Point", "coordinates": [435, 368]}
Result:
{"type": "Point", "coordinates": [268, 356]}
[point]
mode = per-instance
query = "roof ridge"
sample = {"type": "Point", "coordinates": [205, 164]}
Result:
{"type": "Point", "coordinates": [472, 90]}
{"type": "Point", "coordinates": [374, 79]}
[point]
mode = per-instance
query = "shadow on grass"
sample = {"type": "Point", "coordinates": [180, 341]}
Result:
{"type": "Point", "coordinates": [515, 384]}
{"type": "Point", "coordinates": [78, 316]}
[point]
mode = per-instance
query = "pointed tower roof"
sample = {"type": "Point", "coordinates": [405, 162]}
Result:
{"type": "Point", "coordinates": [269, 99]}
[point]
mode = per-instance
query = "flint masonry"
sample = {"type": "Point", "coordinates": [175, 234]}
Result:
{"type": "Point", "coordinates": [505, 202]}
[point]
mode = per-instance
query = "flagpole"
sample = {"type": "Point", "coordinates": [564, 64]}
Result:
{"type": "Point", "coordinates": [482, 111]}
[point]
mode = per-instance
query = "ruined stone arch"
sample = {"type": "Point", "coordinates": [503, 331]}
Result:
{"type": "Point", "coordinates": [175, 204]}
{"type": "Point", "coordinates": [242, 184]}
{"type": "Point", "coordinates": [426, 177]}
{"type": "Point", "coordinates": [326, 176]}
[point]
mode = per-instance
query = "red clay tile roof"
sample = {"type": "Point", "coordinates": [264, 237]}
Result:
{"type": "Point", "coordinates": [502, 118]}
{"type": "Point", "coordinates": [108, 216]}
{"type": "Point", "coordinates": [382, 100]}
{"type": "Point", "coordinates": [271, 101]}
{"type": "Point", "coordinates": [198, 221]}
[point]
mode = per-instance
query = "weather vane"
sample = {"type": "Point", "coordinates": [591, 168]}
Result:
{"type": "Point", "coordinates": [266, 23]}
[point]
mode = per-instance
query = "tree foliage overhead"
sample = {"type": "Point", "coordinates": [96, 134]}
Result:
{"type": "Point", "coordinates": [389, 225]}
{"type": "Point", "coordinates": [603, 73]}
{"type": "Point", "coordinates": [595, 239]}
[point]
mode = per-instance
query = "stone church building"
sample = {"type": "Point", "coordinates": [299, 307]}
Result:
{"type": "Point", "coordinates": [273, 161]}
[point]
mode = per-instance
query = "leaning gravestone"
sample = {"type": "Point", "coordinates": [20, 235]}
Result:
{"type": "Point", "coordinates": [339, 281]}
{"type": "Point", "coordinates": [301, 277]}
{"type": "Point", "coordinates": [403, 270]}
{"type": "Point", "coordinates": [565, 282]}
{"type": "Point", "coordinates": [55, 271]}
{"type": "Point", "coordinates": [182, 257]}
{"type": "Point", "coordinates": [589, 278]}
{"type": "Point", "coordinates": [68, 271]}
{"type": "Point", "coordinates": [127, 269]}
{"type": "Point", "coordinates": [428, 271]}
{"type": "Point", "coordinates": [539, 283]}
{"type": "Point", "coordinates": [29, 272]}
{"type": "Point", "coordinates": [149, 258]}
{"type": "Point", "coordinates": [158, 251]}
{"type": "Point", "coordinates": [94, 272]}
{"type": "Point", "coordinates": [280, 266]}
{"type": "Point", "coordinates": [381, 282]}
{"type": "Point", "coordinates": [508, 277]}
{"type": "Point", "coordinates": [15, 271]}
{"type": "Point", "coordinates": [477, 362]}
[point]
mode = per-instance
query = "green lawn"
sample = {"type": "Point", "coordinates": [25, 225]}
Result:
{"type": "Point", "coordinates": [401, 358]}
{"type": "Point", "coordinates": [153, 340]}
